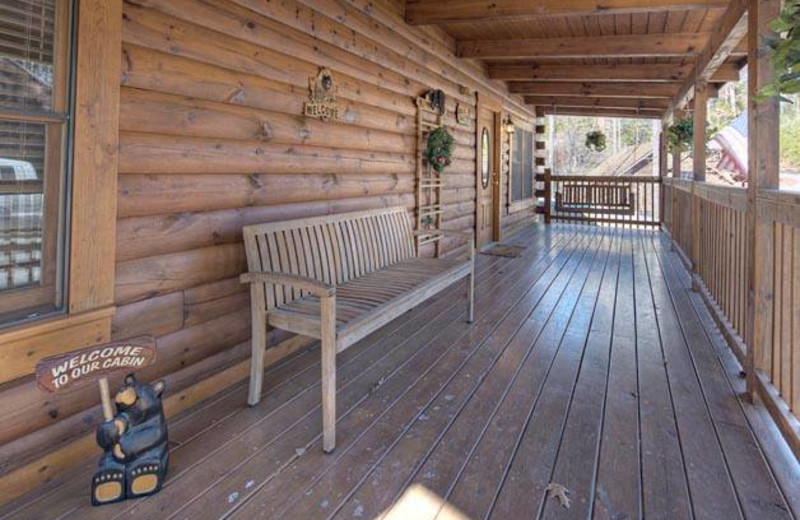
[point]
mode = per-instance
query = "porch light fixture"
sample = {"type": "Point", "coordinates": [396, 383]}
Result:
{"type": "Point", "coordinates": [508, 125]}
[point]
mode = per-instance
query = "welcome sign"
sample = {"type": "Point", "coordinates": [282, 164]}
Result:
{"type": "Point", "coordinates": [57, 373]}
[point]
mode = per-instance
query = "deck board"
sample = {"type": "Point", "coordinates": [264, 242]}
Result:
{"type": "Point", "coordinates": [618, 489]}
{"type": "Point", "coordinates": [699, 439]}
{"type": "Point", "coordinates": [664, 482]}
{"type": "Point", "coordinates": [576, 462]}
{"type": "Point", "coordinates": [591, 364]}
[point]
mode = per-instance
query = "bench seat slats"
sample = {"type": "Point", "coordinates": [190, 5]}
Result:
{"type": "Point", "coordinates": [356, 299]}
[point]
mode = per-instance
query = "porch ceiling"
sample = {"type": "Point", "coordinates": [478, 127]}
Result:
{"type": "Point", "coordinates": [646, 48]}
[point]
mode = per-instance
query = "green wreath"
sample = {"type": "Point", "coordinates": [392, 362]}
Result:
{"type": "Point", "coordinates": [680, 134]}
{"type": "Point", "coordinates": [596, 140]}
{"type": "Point", "coordinates": [440, 148]}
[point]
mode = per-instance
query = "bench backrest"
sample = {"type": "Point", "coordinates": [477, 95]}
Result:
{"type": "Point", "coordinates": [596, 194]}
{"type": "Point", "coordinates": [332, 248]}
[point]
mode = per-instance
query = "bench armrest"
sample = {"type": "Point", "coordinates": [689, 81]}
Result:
{"type": "Point", "coordinates": [311, 285]}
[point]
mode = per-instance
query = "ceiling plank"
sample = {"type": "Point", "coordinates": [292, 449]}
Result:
{"type": "Point", "coordinates": [615, 72]}
{"type": "Point", "coordinates": [722, 44]}
{"type": "Point", "coordinates": [616, 46]}
{"type": "Point", "coordinates": [604, 112]}
{"type": "Point", "coordinates": [420, 12]}
{"type": "Point", "coordinates": [561, 88]}
{"type": "Point", "coordinates": [598, 102]}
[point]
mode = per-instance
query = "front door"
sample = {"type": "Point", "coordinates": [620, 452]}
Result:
{"type": "Point", "coordinates": [486, 174]}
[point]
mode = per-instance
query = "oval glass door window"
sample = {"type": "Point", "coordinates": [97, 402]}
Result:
{"type": "Point", "coordinates": [485, 158]}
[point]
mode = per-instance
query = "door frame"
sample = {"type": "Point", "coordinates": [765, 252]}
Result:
{"type": "Point", "coordinates": [488, 102]}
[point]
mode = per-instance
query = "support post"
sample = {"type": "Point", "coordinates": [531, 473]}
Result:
{"type": "Point", "coordinates": [656, 145]}
{"type": "Point", "coordinates": [541, 155]}
{"type": "Point", "coordinates": [699, 116]}
{"type": "Point", "coordinates": [548, 195]}
{"type": "Point", "coordinates": [662, 169]}
{"type": "Point", "coordinates": [763, 173]}
{"type": "Point", "coordinates": [676, 152]}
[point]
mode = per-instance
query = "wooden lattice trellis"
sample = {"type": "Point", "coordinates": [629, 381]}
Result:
{"type": "Point", "coordinates": [430, 183]}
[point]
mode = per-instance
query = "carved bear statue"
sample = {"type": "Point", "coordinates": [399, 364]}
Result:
{"type": "Point", "coordinates": [134, 462]}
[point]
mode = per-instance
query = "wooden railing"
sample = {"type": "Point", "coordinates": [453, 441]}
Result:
{"type": "Point", "coordinates": [722, 253]}
{"type": "Point", "coordinates": [610, 200]}
{"type": "Point", "coordinates": [709, 228]}
{"type": "Point", "coordinates": [680, 210]}
{"type": "Point", "coordinates": [778, 219]}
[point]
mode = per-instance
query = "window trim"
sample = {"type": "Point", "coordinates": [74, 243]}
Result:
{"type": "Point", "coordinates": [48, 298]}
{"type": "Point", "coordinates": [91, 210]}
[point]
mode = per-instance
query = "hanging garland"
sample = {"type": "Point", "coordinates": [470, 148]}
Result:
{"type": "Point", "coordinates": [785, 60]}
{"type": "Point", "coordinates": [596, 141]}
{"type": "Point", "coordinates": [680, 134]}
{"type": "Point", "coordinates": [440, 148]}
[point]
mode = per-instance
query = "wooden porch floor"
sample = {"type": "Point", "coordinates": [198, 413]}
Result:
{"type": "Point", "coordinates": [591, 364]}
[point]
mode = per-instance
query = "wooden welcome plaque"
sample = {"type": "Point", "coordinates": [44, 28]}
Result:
{"type": "Point", "coordinates": [58, 373]}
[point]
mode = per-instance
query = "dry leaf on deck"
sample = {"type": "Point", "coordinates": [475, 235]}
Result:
{"type": "Point", "coordinates": [560, 493]}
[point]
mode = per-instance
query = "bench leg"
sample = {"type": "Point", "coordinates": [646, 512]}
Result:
{"type": "Point", "coordinates": [471, 284]}
{"type": "Point", "coordinates": [328, 307]}
{"type": "Point", "coordinates": [259, 346]}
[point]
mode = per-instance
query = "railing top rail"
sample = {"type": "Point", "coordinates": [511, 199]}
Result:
{"type": "Point", "coordinates": [779, 196]}
{"type": "Point", "coordinates": [605, 178]}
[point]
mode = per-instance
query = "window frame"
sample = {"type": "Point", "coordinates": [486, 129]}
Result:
{"type": "Point", "coordinates": [48, 297]}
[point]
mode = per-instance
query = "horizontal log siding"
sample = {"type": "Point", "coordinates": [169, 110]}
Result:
{"type": "Point", "coordinates": [211, 139]}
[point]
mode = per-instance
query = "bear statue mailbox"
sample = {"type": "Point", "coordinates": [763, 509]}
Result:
{"type": "Point", "coordinates": [134, 433]}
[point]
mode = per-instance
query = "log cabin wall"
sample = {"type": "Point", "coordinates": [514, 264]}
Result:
{"type": "Point", "coordinates": [211, 139]}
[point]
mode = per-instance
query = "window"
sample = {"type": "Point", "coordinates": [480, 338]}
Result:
{"type": "Point", "coordinates": [521, 165]}
{"type": "Point", "coordinates": [486, 156]}
{"type": "Point", "coordinates": [34, 117]}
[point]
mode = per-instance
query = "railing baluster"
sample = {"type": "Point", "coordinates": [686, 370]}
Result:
{"type": "Point", "coordinates": [626, 202]}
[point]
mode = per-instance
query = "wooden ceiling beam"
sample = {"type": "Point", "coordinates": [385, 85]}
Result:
{"type": "Point", "coordinates": [580, 72]}
{"type": "Point", "coordinates": [617, 46]}
{"type": "Point", "coordinates": [598, 102]}
{"type": "Point", "coordinates": [604, 112]}
{"type": "Point", "coordinates": [722, 44]}
{"type": "Point", "coordinates": [596, 89]}
{"type": "Point", "coordinates": [421, 12]}
{"type": "Point", "coordinates": [617, 72]}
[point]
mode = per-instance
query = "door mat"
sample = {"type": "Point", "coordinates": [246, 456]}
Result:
{"type": "Point", "coordinates": [506, 250]}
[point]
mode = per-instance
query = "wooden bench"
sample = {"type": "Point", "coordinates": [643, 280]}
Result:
{"type": "Point", "coordinates": [338, 278]}
{"type": "Point", "coordinates": [596, 198]}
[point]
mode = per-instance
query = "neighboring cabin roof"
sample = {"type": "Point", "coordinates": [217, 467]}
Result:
{"type": "Point", "coordinates": [732, 142]}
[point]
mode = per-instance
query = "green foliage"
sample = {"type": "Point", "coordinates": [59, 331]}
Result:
{"type": "Point", "coordinates": [790, 143]}
{"type": "Point", "coordinates": [596, 141]}
{"type": "Point", "coordinates": [785, 60]}
{"type": "Point", "coordinates": [440, 148]}
{"type": "Point", "coordinates": [680, 134]}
